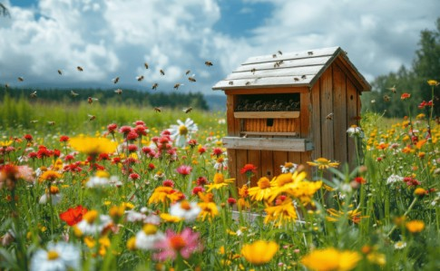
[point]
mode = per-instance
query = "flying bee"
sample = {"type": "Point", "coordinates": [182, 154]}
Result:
{"type": "Point", "coordinates": [187, 110]}
{"type": "Point", "coordinates": [60, 72]}
{"type": "Point", "coordinates": [386, 98]}
{"type": "Point", "coordinates": [253, 70]}
{"type": "Point", "coordinates": [158, 109]}
{"type": "Point", "coordinates": [73, 93]}
{"type": "Point", "coordinates": [140, 78]}
{"type": "Point", "coordinates": [79, 68]}
{"type": "Point", "coordinates": [176, 86]}
{"type": "Point", "coordinates": [90, 100]}
{"type": "Point", "coordinates": [191, 79]}
{"type": "Point", "coordinates": [393, 89]}
{"type": "Point", "coordinates": [34, 94]}
{"type": "Point", "coordinates": [187, 72]}
{"type": "Point", "coordinates": [208, 63]}
{"type": "Point", "coordinates": [20, 79]}
{"type": "Point", "coordinates": [162, 72]}
{"type": "Point", "coordinates": [146, 65]}
{"type": "Point", "coordinates": [118, 91]}
{"type": "Point", "coordinates": [329, 116]}
{"type": "Point", "coordinates": [6, 86]}
{"type": "Point", "coordinates": [115, 80]}
{"type": "Point", "coordinates": [155, 85]}
{"type": "Point", "coordinates": [51, 123]}
{"type": "Point", "coordinates": [91, 117]}
{"type": "Point", "coordinates": [279, 52]}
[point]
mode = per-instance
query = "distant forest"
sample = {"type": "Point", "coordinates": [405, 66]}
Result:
{"type": "Point", "coordinates": [128, 97]}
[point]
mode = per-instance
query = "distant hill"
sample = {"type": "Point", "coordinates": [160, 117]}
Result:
{"type": "Point", "coordinates": [216, 102]}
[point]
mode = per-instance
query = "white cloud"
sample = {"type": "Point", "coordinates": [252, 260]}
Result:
{"type": "Point", "coordinates": [110, 38]}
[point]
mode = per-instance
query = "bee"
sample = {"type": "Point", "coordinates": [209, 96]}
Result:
{"type": "Point", "coordinates": [187, 72]}
{"type": "Point", "coordinates": [187, 110]}
{"type": "Point", "coordinates": [231, 83]}
{"type": "Point", "coordinates": [33, 121]}
{"type": "Point", "coordinates": [118, 91]}
{"type": "Point", "coordinates": [192, 79]}
{"type": "Point", "coordinates": [296, 79]}
{"type": "Point", "coordinates": [162, 72]}
{"type": "Point", "coordinates": [303, 76]}
{"type": "Point", "coordinates": [310, 53]}
{"type": "Point", "coordinates": [34, 94]}
{"type": "Point", "coordinates": [253, 70]}
{"type": "Point", "coordinates": [51, 123]}
{"type": "Point", "coordinates": [73, 93]}
{"type": "Point", "coordinates": [140, 78]}
{"type": "Point", "coordinates": [21, 79]}
{"type": "Point", "coordinates": [176, 86]}
{"type": "Point", "coordinates": [386, 98]}
{"type": "Point", "coordinates": [90, 100]}
{"type": "Point", "coordinates": [6, 86]}
{"type": "Point", "coordinates": [60, 72]}
{"type": "Point", "coordinates": [79, 68]}
{"type": "Point", "coordinates": [91, 117]}
{"type": "Point", "coordinates": [248, 83]}
{"type": "Point", "coordinates": [208, 63]}
{"type": "Point", "coordinates": [155, 85]}
{"type": "Point", "coordinates": [274, 55]}
{"type": "Point", "coordinates": [158, 109]}
{"type": "Point", "coordinates": [329, 116]}
{"type": "Point", "coordinates": [115, 80]}
{"type": "Point", "coordinates": [279, 52]}
{"type": "Point", "coordinates": [393, 89]}
{"type": "Point", "coordinates": [146, 65]}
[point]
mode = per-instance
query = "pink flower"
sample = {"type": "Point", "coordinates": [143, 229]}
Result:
{"type": "Point", "coordinates": [185, 243]}
{"type": "Point", "coordinates": [184, 170]}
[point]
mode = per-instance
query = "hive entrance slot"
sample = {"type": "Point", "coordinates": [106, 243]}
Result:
{"type": "Point", "coordinates": [269, 122]}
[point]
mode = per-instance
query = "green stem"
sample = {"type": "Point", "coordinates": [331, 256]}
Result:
{"type": "Point", "coordinates": [405, 214]}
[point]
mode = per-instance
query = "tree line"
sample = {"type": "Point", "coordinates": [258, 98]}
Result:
{"type": "Point", "coordinates": [385, 96]}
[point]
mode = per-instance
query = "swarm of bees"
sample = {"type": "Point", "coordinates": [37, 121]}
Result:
{"type": "Point", "coordinates": [268, 105]}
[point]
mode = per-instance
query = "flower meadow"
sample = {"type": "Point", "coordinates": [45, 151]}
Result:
{"type": "Point", "coordinates": [131, 196]}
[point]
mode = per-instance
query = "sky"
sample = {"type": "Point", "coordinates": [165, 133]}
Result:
{"type": "Point", "coordinates": [114, 38]}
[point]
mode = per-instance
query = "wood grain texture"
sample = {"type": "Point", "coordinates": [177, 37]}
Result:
{"type": "Point", "coordinates": [275, 144]}
{"type": "Point", "coordinates": [340, 113]}
{"type": "Point", "coordinates": [327, 135]}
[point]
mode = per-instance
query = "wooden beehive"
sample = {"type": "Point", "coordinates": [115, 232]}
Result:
{"type": "Point", "coordinates": [291, 107]}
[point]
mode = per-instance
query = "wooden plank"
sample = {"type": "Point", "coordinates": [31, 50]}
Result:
{"type": "Point", "coordinates": [286, 63]}
{"type": "Point", "coordinates": [285, 81]}
{"type": "Point", "coordinates": [315, 134]}
{"type": "Point", "coordinates": [266, 114]}
{"type": "Point", "coordinates": [294, 157]}
{"type": "Point", "coordinates": [276, 90]}
{"type": "Point", "coordinates": [352, 72]}
{"type": "Point", "coordinates": [232, 163]}
{"type": "Point", "coordinates": [340, 113]}
{"type": "Point", "coordinates": [232, 123]}
{"type": "Point", "coordinates": [305, 103]}
{"type": "Point", "coordinates": [267, 164]}
{"type": "Point", "coordinates": [291, 134]}
{"type": "Point", "coordinates": [276, 144]}
{"type": "Point", "coordinates": [280, 72]}
{"type": "Point", "coordinates": [279, 158]}
{"type": "Point", "coordinates": [327, 135]}
{"type": "Point", "coordinates": [254, 157]}
{"type": "Point", "coordinates": [351, 119]}
{"type": "Point", "coordinates": [242, 159]}
{"type": "Point", "coordinates": [294, 55]}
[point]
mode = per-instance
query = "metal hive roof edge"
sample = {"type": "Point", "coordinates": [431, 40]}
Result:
{"type": "Point", "coordinates": [297, 69]}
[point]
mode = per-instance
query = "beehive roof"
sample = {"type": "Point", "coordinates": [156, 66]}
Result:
{"type": "Point", "coordinates": [296, 69]}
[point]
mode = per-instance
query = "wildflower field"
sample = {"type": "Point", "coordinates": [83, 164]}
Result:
{"type": "Point", "coordinates": [153, 193]}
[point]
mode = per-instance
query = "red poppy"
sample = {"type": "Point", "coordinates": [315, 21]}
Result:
{"type": "Point", "coordinates": [405, 96]}
{"type": "Point", "coordinates": [248, 168]}
{"type": "Point", "coordinates": [73, 215]}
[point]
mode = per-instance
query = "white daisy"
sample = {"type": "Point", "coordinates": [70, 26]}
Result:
{"type": "Point", "coordinates": [400, 245]}
{"type": "Point", "coordinates": [56, 198]}
{"type": "Point", "coordinates": [181, 132]}
{"type": "Point", "coordinates": [394, 178]}
{"type": "Point", "coordinates": [59, 256]}
{"type": "Point", "coordinates": [289, 167]}
{"type": "Point", "coordinates": [355, 131]}
{"type": "Point", "coordinates": [185, 210]}
{"type": "Point", "coordinates": [148, 237]}
{"type": "Point", "coordinates": [93, 223]}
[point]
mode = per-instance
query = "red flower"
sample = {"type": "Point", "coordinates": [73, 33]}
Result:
{"type": "Point", "coordinates": [64, 138]}
{"type": "Point", "coordinates": [111, 128]}
{"type": "Point", "coordinates": [73, 215]}
{"type": "Point", "coordinates": [168, 183]}
{"type": "Point", "coordinates": [28, 137]}
{"type": "Point", "coordinates": [217, 151]}
{"type": "Point", "coordinates": [231, 201]}
{"type": "Point", "coordinates": [184, 170]}
{"type": "Point", "coordinates": [125, 130]}
{"type": "Point", "coordinates": [360, 180]}
{"type": "Point", "coordinates": [248, 169]}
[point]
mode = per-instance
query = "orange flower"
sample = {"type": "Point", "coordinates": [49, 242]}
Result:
{"type": "Point", "coordinates": [405, 96]}
{"type": "Point", "coordinates": [415, 226]}
{"type": "Point", "coordinates": [73, 215]}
